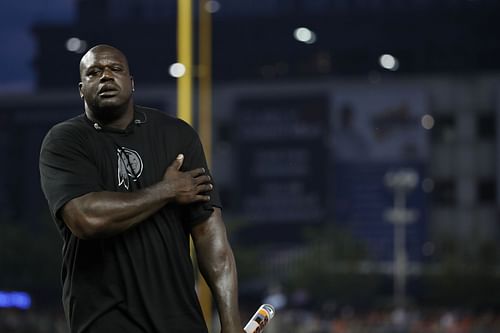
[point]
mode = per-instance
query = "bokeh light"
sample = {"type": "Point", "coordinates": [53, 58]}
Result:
{"type": "Point", "coordinates": [389, 62]}
{"type": "Point", "coordinates": [177, 70]}
{"type": "Point", "coordinates": [304, 35]}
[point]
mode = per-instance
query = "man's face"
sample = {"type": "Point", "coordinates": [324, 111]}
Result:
{"type": "Point", "coordinates": [106, 83]}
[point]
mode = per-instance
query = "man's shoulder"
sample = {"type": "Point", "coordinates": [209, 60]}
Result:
{"type": "Point", "coordinates": [161, 118]}
{"type": "Point", "coordinates": [67, 129]}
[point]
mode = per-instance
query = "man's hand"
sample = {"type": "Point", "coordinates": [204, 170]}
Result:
{"type": "Point", "coordinates": [189, 186]}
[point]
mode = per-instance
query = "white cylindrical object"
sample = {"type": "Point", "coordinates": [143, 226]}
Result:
{"type": "Point", "coordinates": [260, 319]}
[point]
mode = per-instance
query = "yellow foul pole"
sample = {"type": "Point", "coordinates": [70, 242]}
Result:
{"type": "Point", "coordinates": [185, 98]}
{"type": "Point", "coordinates": [185, 57]}
{"type": "Point", "coordinates": [205, 122]}
{"type": "Point", "coordinates": [205, 78]}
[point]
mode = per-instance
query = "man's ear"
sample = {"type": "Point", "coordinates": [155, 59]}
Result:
{"type": "Point", "coordinates": [133, 83]}
{"type": "Point", "coordinates": [80, 89]}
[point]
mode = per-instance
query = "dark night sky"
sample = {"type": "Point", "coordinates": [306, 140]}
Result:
{"type": "Point", "coordinates": [18, 44]}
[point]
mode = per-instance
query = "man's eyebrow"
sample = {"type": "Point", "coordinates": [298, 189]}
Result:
{"type": "Point", "coordinates": [105, 65]}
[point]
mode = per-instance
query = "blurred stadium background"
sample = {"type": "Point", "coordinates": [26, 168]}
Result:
{"type": "Point", "coordinates": [354, 143]}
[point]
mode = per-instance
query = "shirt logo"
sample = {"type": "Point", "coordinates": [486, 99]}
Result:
{"type": "Point", "coordinates": [129, 166]}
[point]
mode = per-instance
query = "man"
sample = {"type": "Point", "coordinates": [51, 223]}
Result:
{"type": "Point", "coordinates": [126, 186]}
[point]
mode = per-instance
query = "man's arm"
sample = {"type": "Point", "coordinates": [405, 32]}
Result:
{"type": "Point", "coordinates": [103, 214]}
{"type": "Point", "coordinates": [216, 263]}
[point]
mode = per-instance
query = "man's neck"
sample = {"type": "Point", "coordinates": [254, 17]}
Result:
{"type": "Point", "coordinates": [121, 122]}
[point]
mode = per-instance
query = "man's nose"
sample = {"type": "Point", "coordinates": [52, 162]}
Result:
{"type": "Point", "coordinates": [107, 74]}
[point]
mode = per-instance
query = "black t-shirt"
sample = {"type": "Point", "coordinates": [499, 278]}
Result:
{"type": "Point", "coordinates": [145, 271]}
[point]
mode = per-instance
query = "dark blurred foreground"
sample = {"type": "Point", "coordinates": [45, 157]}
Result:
{"type": "Point", "coordinates": [346, 320]}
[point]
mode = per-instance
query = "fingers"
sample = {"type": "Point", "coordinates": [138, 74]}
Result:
{"type": "Point", "coordinates": [203, 198]}
{"type": "Point", "coordinates": [202, 179]}
{"type": "Point", "coordinates": [188, 186]}
{"type": "Point", "coordinates": [200, 195]}
{"type": "Point", "coordinates": [205, 188]}
{"type": "Point", "coordinates": [177, 163]}
{"type": "Point", "coordinates": [199, 176]}
{"type": "Point", "coordinates": [197, 172]}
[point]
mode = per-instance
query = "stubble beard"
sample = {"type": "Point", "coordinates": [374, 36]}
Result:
{"type": "Point", "coordinates": [106, 113]}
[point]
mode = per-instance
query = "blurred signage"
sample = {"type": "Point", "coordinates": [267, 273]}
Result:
{"type": "Point", "coordinates": [379, 125]}
{"type": "Point", "coordinates": [281, 150]}
{"type": "Point", "coordinates": [15, 299]}
{"type": "Point", "coordinates": [376, 130]}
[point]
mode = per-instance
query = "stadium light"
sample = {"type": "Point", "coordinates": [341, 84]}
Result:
{"type": "Point", "coordinates": [304, 35]}
{"type": "Point", "coordinates": [177, 70]}
{"type": "Point", "coordinates": [212, 6]}
{"type": "Point", "coordinates": [389, 62]}
{"type": "Point", "coordinates": [427, 121]}
{"type": "Point", "coordinates": [76, 45]}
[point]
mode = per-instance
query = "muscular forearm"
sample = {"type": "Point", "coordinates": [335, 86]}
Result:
{"type": "Point", "coordinates": [216, 262]}
{"type": "Point", "coordinates": [103, 214]}
{"type": "Point", "coordinates": [221, 277]}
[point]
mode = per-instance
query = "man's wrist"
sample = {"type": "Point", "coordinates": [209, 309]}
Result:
{"type": "Point", "coordinates": [162, 192]}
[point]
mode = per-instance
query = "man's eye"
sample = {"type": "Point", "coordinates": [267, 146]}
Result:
{"type": "Point", "coordinates": [116, 69]}
{"type": "Point", "coordinates": [93, 72]}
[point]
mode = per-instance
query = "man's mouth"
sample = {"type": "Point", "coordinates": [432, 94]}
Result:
{"type": "Point", "coordinates": [108, 91]}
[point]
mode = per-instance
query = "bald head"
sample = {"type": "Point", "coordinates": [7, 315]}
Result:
{"type": "Point", "coordinates": [97, 51]}
{"type": "Point", "coordinates": [106, 84]}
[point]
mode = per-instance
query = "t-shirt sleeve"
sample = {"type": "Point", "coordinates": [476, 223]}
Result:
{"type": "Point", "coordinates": [194, 157]}
{"type": "Point", "coordinates": [66, 170]}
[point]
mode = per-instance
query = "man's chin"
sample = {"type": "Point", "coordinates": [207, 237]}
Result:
{"type": "Point", "coordinates": [108, 103]}
{"type": "Point", "coordinates": [109, 110]}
